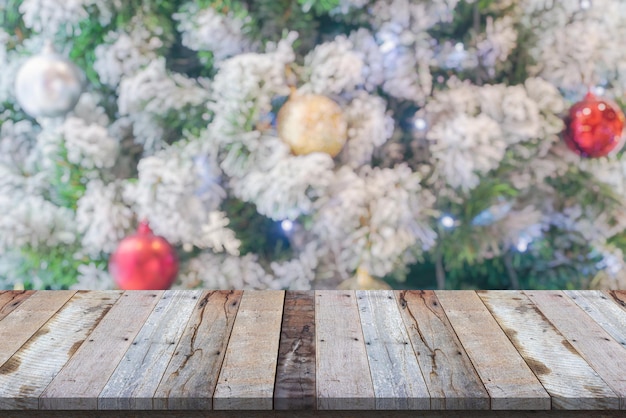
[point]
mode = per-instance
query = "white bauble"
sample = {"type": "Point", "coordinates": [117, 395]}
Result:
{"type": "Point", "coordinates": [48, 84]}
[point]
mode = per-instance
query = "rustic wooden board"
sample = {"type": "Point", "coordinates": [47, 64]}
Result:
{"type": "Point", "coordinates": [571, 382]}
{"type": "Point", "coordinates": [506, 376]}
{"type": "Point", "coordinates": [191, 376]}
{"type": "Point", "coordinates": [343, 375]}
{"type": "Point", "coordinates": [618, 296]}
{"type": "Point", "coordinates": [136, 378]}
{"type": "Point", "coordinates": [295, 371]}
{"type": "Point", "coordinates": [11, 299]}
{"type": "Point", "coordinates": [595, 345]}
{"type": "Point", "coordinates": [33, 367]}
{"type": "Point", "coordinates": [317, 414]}
{"type": "Point", "coordinates": [604, 311]}
{"type": "Point", "coordinates": [246, 380]}
{"type": "Point", "coordinates": [100, 354]}
{"type": "Point", "coordinates": [26, 319]}
{"type": "Point", "coordinates": [396, 375]}
{"type": "Point", "coordinates": [202, 349]}
{"type": "Point", "coordinates": [450, 376]}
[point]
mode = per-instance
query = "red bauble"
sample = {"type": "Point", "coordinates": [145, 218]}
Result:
{"type": "Point", "coordinates": [144, 261]}
{"type": "Point", "coordinates": [594, 127]}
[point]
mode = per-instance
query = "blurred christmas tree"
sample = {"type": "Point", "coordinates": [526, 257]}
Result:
{"type": "Point", "coordinates": [292, 143]}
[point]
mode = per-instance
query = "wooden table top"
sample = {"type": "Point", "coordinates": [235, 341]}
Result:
{"type": "Point", "coordinates": [326, 350]}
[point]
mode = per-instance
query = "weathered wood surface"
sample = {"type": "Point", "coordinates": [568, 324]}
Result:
{"type": "Point", "coordinates": [136, 378]}
{"type": "Point", "coordinates": [316, 414]}
{"type": "Point", "coordinates": [72, 388]}
{"type": "Point", "coordinates": [25, 376]}
{"type": "Point", "coordinates": [452, 381]}
{"type": "Point", "coordinates": [593, 343]}
{"type": "Point", "coordinates": [332, 350]}
{"type": "Point", "coordinates": [619, 296]}
{"type": "Point", "coordinates": [570, 380]}
{"type": "Point", "coordinates": [11, 300]}
{"type": "Point", "coordinates": [343, 374]}
{"type": "Point", "coordinates": [247, 377]}
{"type": "Point", "coordinates": [602, 309]}
{"type": "Point", "coordinates": [295, 371]}
{"type": "Point", "coordinates": [506, 376]}
{"type": "Point", "coordinates": [191, 376]}
{"type": "Point", "coordinates": [26, 320]}
{"type": "Point", "coordinates": [396, 375]}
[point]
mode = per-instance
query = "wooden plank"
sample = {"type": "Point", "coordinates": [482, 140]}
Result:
{"type": "Point", "coordinates": [618, 296]}
{"type": "Point", "coordinates": [595, 345]}
{"type": "Point", "coordinates": [396, 375]}
{"type": "Point", "coordinates": [191, 376]}
{"type": "Point", "coordinates": [24, 377]}
{"type": "Point", "coordinates": [295, 371]}
{"type": "Point", "coordinates": [73, 387]}
{"type": "Point", "coordinates": [604, 311]}
{"type": "Point", "coordinates": [26, 319]}
{"type": "Point", "coordinates": [11, 299]}
{"type": "Point", "coordinates": [316, 414]}
{"type": "Point", "coordinates": [450, 376]}
{"type": "Point", "coordinates": [506, 376]}
{"type": "Point", "coordinates": [136, 378]}
{"type": "Point", "coordinates": [567, 377]}
{"type": "Point", "coordinates": [343, 375]}
{"type": "Point", "coordinates": [246, 380]}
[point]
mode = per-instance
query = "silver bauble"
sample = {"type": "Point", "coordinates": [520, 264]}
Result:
{"type": "Point", "coordinates": [48, 84]}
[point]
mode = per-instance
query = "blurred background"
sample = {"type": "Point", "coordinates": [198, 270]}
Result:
{"type": "Point", "coordinates": [302, 144]}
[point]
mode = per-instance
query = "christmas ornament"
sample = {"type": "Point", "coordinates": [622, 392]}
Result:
{"type": "Point", "coordinates": [144, 261]}
{"type": "Point", "coordinates": [593, 127]}
{"type": "Point", "coordinates": [312, 123]}
{"type": "Point", "coordinates": [48, 84]}
{"type": "Point", "coordinates": [363, 281]}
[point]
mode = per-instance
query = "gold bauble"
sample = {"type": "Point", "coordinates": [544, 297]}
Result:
{"type": "Point", "coordinates": [312, 123]}
{"type": "Point", "coordinates": [363, 281]}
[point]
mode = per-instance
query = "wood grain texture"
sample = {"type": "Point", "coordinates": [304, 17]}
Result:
{"type": "Point", "coordinates": [136, 378]}
{"type": "Point", "coordinates": [506, 376]}
{"type": "Point", "coordinates": [396, 375]}
{"type": "Point", "coordinates": [11, 299]}
{"type": "Point", "coordinates": [246, 380]}
{"type": "Point", "coordinates": [450, 376]}
{"type": "Point", "coordinates": [295, 371]}
{"type": "Point", "coordinates": [315, 414]}
{"type": "Point", "coordinates": [603, 310]}
{"type": "Point", "coordinates": [343, 375]}
{"type": "Point", "coordinates": [595, 345]}
{"type": "Point", "coordinates": [26, 319]}
{"type": "Point", "coordinates": [242, 350]}
{"type": "Point", "coordinates": [567, 377]}
{"type": "Point", "coordinates": [100, 354]}
{"type": "Point", "coordinates": [34, 366]}
{"type": "Point", "coordinates": [191, 376]}
{"type": "Point", "coordinates": [618, 296]}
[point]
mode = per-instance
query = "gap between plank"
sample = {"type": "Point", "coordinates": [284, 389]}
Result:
{"type": "Point", "coordinates": [280, 338]}
{"type": "Point", "coordinates": [461, 342]}
{"type": "Point", "coordinates": [513, 344]}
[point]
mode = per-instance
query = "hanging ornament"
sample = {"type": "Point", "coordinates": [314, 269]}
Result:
{"type": "Point", "coordinates": [594, 127]}
{"type": "Point", "coordinates": [312, 123]}
{"type": "Point", "coordinates": [144, 261]}
{"type": "Point", "coordinates": [363, 281]}
{"type": "Point", "coordinates": [48, 84]}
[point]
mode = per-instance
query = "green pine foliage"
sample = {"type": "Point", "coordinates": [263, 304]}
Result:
{"type": "Point", "coordinates": [561, 259]}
